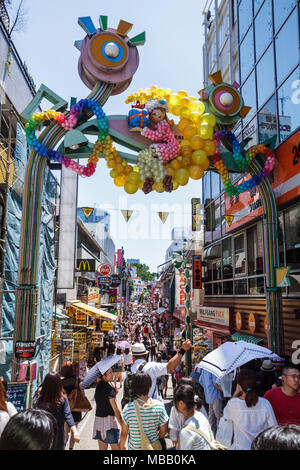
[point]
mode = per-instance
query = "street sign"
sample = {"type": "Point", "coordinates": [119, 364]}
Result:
{"type": "Point", "coordinates": [104, 279]}
{"type": "Point", "coordinates": [104, 270]}
{"type": "Point", "coordinates": [25, 349]}
{"type": "Point", "coordinates": [115, 280]}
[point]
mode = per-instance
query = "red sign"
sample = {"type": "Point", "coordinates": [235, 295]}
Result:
{"type": "Point", "coordinates": [105, 270]}
{"type": "Point", "coordinates": [197, 272]}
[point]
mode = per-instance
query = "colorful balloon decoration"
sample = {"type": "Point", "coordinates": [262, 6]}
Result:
{"type": "Point", "coordinates": [178, 152]}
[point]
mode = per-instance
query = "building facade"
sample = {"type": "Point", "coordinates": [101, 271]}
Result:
{"type": "Point", "coordinates": [235, 272]}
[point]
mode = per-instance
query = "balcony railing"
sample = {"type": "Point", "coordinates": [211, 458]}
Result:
{"type": "Point", "coordinates": [4, 16]}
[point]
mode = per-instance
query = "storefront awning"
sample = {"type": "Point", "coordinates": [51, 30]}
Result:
{"type": "Point", "coordinates": [161, 310]}
{"type": "Point", "coordinates": [247, 338]}
{"type": "Point", "coordinates": [94, 312]}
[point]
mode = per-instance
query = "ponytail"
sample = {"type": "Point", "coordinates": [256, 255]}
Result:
{"type": "Point", "coordinates": [246, 378]}
{"type": "Point", "coordinates": [251, 397]}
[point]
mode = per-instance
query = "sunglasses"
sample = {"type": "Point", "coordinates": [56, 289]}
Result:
{"type": "Point", "coordinates": [294, 376]}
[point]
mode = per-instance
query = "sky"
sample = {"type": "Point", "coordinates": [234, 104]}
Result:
{"type": "Point", "coordinates": [171, 58]}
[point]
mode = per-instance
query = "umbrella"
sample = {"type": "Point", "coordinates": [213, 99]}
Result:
{"type": "Point", "coordinates": [123, 345]}
{"type": "Point", "coordinates": [229, 356]}
{"type": "Point", "coordinates": [107, 363]}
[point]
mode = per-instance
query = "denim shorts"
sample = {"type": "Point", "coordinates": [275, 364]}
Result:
{"type": "Point", "coordinates": [112, 436]}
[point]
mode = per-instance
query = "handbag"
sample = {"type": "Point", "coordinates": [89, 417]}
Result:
{"type": "Point", "coordinates": [213, 443]}
{"type": "Point", "coordinates": [225, 432]}
{"type": "Point", "coordinates": [146, 444]}
{"type": "Point", "coordinates": [78, 401]}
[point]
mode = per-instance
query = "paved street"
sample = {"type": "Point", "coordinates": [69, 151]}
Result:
{"type": "Point", "coordinates": [86, 425]}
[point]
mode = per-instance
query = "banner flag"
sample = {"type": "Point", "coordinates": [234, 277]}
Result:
{"type": "Point", "coordinates": [163, 216]}
{"type": "Point", "coordinates": [87, 211]}
{"type": "Point", "coordinates": [126, 214]}
{"type": "Point", "coordinates": [229, 219]}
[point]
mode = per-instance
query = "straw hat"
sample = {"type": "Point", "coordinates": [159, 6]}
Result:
{"type": "Point", "coordinates": [138, 349]}
{"type": "Point", "coordinates": [267, 366]}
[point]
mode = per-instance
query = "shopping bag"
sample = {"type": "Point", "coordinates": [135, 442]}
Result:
{"type": "Point", "coordinates": [78, 401]}
{"type": "Point", "coordinates": [225, 432]}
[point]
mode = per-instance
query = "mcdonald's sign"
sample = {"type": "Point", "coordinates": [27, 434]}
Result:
{"type": "Point", "coordinates": [86, 265]}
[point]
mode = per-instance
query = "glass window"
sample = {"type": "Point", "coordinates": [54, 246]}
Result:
{"type": "Point", "coordinates": [292, 237]}
{"type": "Point", "coordinates": [227, 258]}
{"type": "Point", "coordinates": [217, 288]}
{"type": "Point", "coordinates": [257, 5]}
{"type": "Point", "coordinates": [209, 271]}
{"type": "Point", "coordinates": [216, 211]}
{"type": "Point", "coordinates": [248, 92]}
{"type": "Point", "coordinates": [251, 131]}
{"type": "Point", "coordinates": [295, 283]}
{"type": "Point", "coordinates": [228, 288]}
{"type": "Point", "coordinates": [240, 287]}
{"type": "Point", "coordinates": [288, 104]}
{"type": "Point", "coordinates": [247, 55]}
{"type": "Point", "coordinates": [239, 255]}
{"type": "Point", "coordinates": [208, 224]}
{"type": "Point", "coordinates": [215, 185]}
{"type": "Point", "coordinates": [206, 188]}
{"type": "Point", "coordinates": [256, 286]}
{"type": "Point", "coordinates": [208, 289]}
{"type": "Point", "coordinates": [287, 44]}
{"type": "Point", "coordinates": [282, 9]}
{"type": "Point", "coordinates": [267, 120]}
{"type": "Point", "coordinates": [217, 275]}
{"type": "Point", "coordinates": [263, 28]}
{"type": "Point", "coordinates": [245, 16]}
{"type": "Point", "coordinates": [255, 250]}
{"type": "Point", "coordinates": [265, 77]}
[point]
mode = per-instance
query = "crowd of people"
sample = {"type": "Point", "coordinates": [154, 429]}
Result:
{"type": "Point", "coordinates": [256, 407]}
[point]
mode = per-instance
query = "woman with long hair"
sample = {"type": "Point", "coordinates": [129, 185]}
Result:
{"type": "Point", "coordinates": [7, 409]}
{"type": "Point", "coordinates": [69, 379]}
{"type": "Point", "coordinates": [53, 399]}
{"type": "Point", "coordinates": [195, 423]}
{"type": "Point", "coordinates": [249, 413]}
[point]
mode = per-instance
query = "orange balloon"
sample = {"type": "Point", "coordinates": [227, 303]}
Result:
{"type": "Point", "coordinates": [209, 147]}
{"type": "Point", "coordinates": [128, 169]}
{"type": "Point", "coordinates": [189, 131]}
{"type": "Point", "coordinates": [119, 168]}
{"type": "Point", "coordinates": [196, 142]}
{"type": "Point", "coordinates": [186, 151]}
{"type": "Point", "coordinates": [196, 172]}
{"type": "Point", "coordinates": [182, 176]}
{"type": "Point", "coordinates": [111, 164]}
{"type": "Point", "coordinates": [130, 188]}
{"type": "Point", "coordinates": [175, 164]}
{"type": "Point", "coordinates": [183, 123]}
{"type": "Point", "coordinates": [199, 157]}
{"type": "Point", "coordinates": [171, 171]}
{"type": "Point", "coordinates": [134, 177]}
{"type": "Point", "coordinates": [205, 164]}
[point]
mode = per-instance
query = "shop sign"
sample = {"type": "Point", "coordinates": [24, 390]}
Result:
{"type": "Point", "coordinates": [239, 319]}
{"type": "Point", "coordinates": [115, 280]}
{"type": "Point", "coordinates": [17, 394]}
{"type": "Point", "coordinates": [25, 349]}
{"type": "Point", "coordinates": [86, 265]}
{"type": "Point", "coordinates": [104, 270]}
{"type": "Point", "coordinates": [216, 315]}
{"type": "Point", "coordinates": [252, 323]}
{"type": "Point", "coordinates": [197, 272]}
{"type": "Point", "coordinates": [93, 294]}
{"type": "Point", "coordinates": [177, 334]}
{"type": "Point", "coordinates": [80, 318]}
{"type": "Point", "coordinates": [107, 326]}
{"type": "Point", "coordinates": [180, 289]}
{"type": "Point", "coordinates": [104, 279]}
{"type": "Point", "coordinates": [112, 299]}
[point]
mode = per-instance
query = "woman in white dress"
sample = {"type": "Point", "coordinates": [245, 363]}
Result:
{"type": "Point", "coordinates": [249, 413]}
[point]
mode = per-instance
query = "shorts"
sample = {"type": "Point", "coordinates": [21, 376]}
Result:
{"type": "Point", "coordinates": [112, 436]}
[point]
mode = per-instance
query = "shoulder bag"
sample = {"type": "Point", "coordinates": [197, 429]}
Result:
{"type": "Point", "coordinates": [78, 401]}
{"type": "Point", "coordinates": [146, 444]}
{"type": "Point", "coordinates": [213, 444]}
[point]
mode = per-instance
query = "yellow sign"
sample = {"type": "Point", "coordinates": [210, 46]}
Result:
{"type": "Point", "coordinates": [163, 216]}
{"type": "Point", "coordinates": [229, 219]}
{"type": "Point", "coordinates": [87, 211]}
{"type": "Point", "coordinates": [107, 326]}
{"type": "Point", "coordinates": [127, 214]}
{"type": "Point", "coordinates": [282, 277]}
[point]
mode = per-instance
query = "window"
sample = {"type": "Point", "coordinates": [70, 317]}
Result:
{"type": "Point", "coordinates": [240, 287]}
{"type": "Point", "coordinates": [256, 286]}
{"type": "Point", "coordinates": [217, 220]}
{"type": "Point", "coordinates": [248, 92]}
{"type": "Point", "coordinates": [288, 104]}
{"type": "Point", "coordinates": [245, 15]}
{"type": "Point", "coordinates": [206, 188]}
{"type": "Point", "coordinates": [263, 28]}
{"type": "Point", "coordinates": [265, 77]}
{"type": "Point", "coordinates": [255, 250]}
{"type": "Point", "coordinates": [228, 288]}
{"type": "Point", "coordinates": [267, 120]}
{"type": "Point", "coordinates": [247, 55]}
{"type": "Point", "coordinates": [227, 258]}
{"type": "Point", "coordinates": [215, 185]}
{"type": "Point", "coordinates": [282, 9]}
{"type": "Point", "coordinates": [292, 237]}
{"type": "Point", "coordinates": [208, 225]}
{"type": "Point", "coordinates": [251, 131]}
{"type": "Point", "coordinates": [287, 47]}
{"type": "Point", "coordinates": [239, 255]}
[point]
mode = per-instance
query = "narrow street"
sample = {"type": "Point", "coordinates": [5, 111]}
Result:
{"type": "Point", "coordinates": [86, 426]}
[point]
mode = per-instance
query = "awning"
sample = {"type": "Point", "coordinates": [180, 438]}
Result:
{"type": "Point", "coordinates": [247, 338]}
{"type": "Point", "coordinates": [94, 312]}
{"type": "Point", "coordinates": [161, 310]}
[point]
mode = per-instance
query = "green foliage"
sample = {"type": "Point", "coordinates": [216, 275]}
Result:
{"type": "Point", "coordinates": [142, 271]}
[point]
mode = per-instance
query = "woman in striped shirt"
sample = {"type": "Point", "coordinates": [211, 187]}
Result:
{"type": "Point", "coordinates": [153, 415]}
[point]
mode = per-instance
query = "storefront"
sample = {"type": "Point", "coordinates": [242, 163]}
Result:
{"type": "Point", "coordinates": [216, 323]}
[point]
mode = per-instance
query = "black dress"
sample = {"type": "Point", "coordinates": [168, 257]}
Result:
{"type": "Point", "coordinates": [69, 385]}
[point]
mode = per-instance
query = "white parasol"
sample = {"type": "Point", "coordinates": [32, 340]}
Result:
{"type": "Point", "coordinates": [107, 363]}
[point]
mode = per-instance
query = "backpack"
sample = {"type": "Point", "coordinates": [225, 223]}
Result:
{"type": "Point", "coordinates": [128, 395]}
{"type": "Point", "coordinates": [213, 444]}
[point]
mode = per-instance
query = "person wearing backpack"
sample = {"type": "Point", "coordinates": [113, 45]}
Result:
{"type": "Point", "coordinates": [154, 369]}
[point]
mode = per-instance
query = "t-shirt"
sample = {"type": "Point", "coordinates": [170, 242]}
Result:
{"type": "Point", "coordinates": [153, 415]}
{"type": "Point", "coordinates": [104, 392]}
{"type": "Point", "coordinates": [155, 370]}
{"type": "Point", "coordinates": [189, 439]}
{"type": "Point", "coordinates": [286, 409]}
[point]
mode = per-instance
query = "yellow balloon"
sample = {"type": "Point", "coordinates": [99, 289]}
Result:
{"type": "Point", "coordinates": [184, 102]}
{"type": "Point", "coordinates": [186, 151]}
{"type": "Point", "coordinates": [206, 131]}
{"type": "Point", "coordinates": [195, 117]}
{"type": "Point", "coordinates": [182, 176]}
{"type": "Point", "coordinates": [193, 98]}
{"type": "Point", "coordinates": [175, 164]}
{"type": "Point", "coordinates": [196, 172]}
{"type": "Point", "coordinates": [205, 164]}
{"type": "Point", "coordinates": [128, 169]}
{"type": "Point", "coordinates": [209, 147]}
{"type": "Point", "coordinates": [184, 142]}
{"type": "Point", "coordinates": [174, 100]}
{"type": "Point", "coordinates": [130, 188]}
{"type": "Point", "coordinates": [136, 169]}
{"type": "Point", "coordinates": [197, 106]}
{"type": "Point", "coordinates": [113, 173]}
{"type": "Point", "coordinates": [189, 131]}
{"type": "Point", "coordinates": [199, 157]}
{"type": "Point", "coordinates": [175, 185]}
{"type": "Point", "coordinates": [196, 142]}
{"type": "Point", "coordinates": [185, 112]}
{"type": "Point", "coordinates": [176, 109]}
{"type": "Point", "coordinates": [134, 178]}
{"type": "Point", "coordinates": [111, 164]}
{"type": "Point", "coordinates": [153, 88]}
{"type": "Point", "coordinates": [119, 168]}
{"type": "Point", "coordinates": [119, 181]}
{"type": "Point", "coordinates": [141, 184]}
{"type": "Point", "coordinates": [209, 119]}
{"type": "Point", "coordinates": [182, 93]}
{"type": "Point", "coordinates": [183, 123]}
{"type": "Point", "coordinates": [159, 187]}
